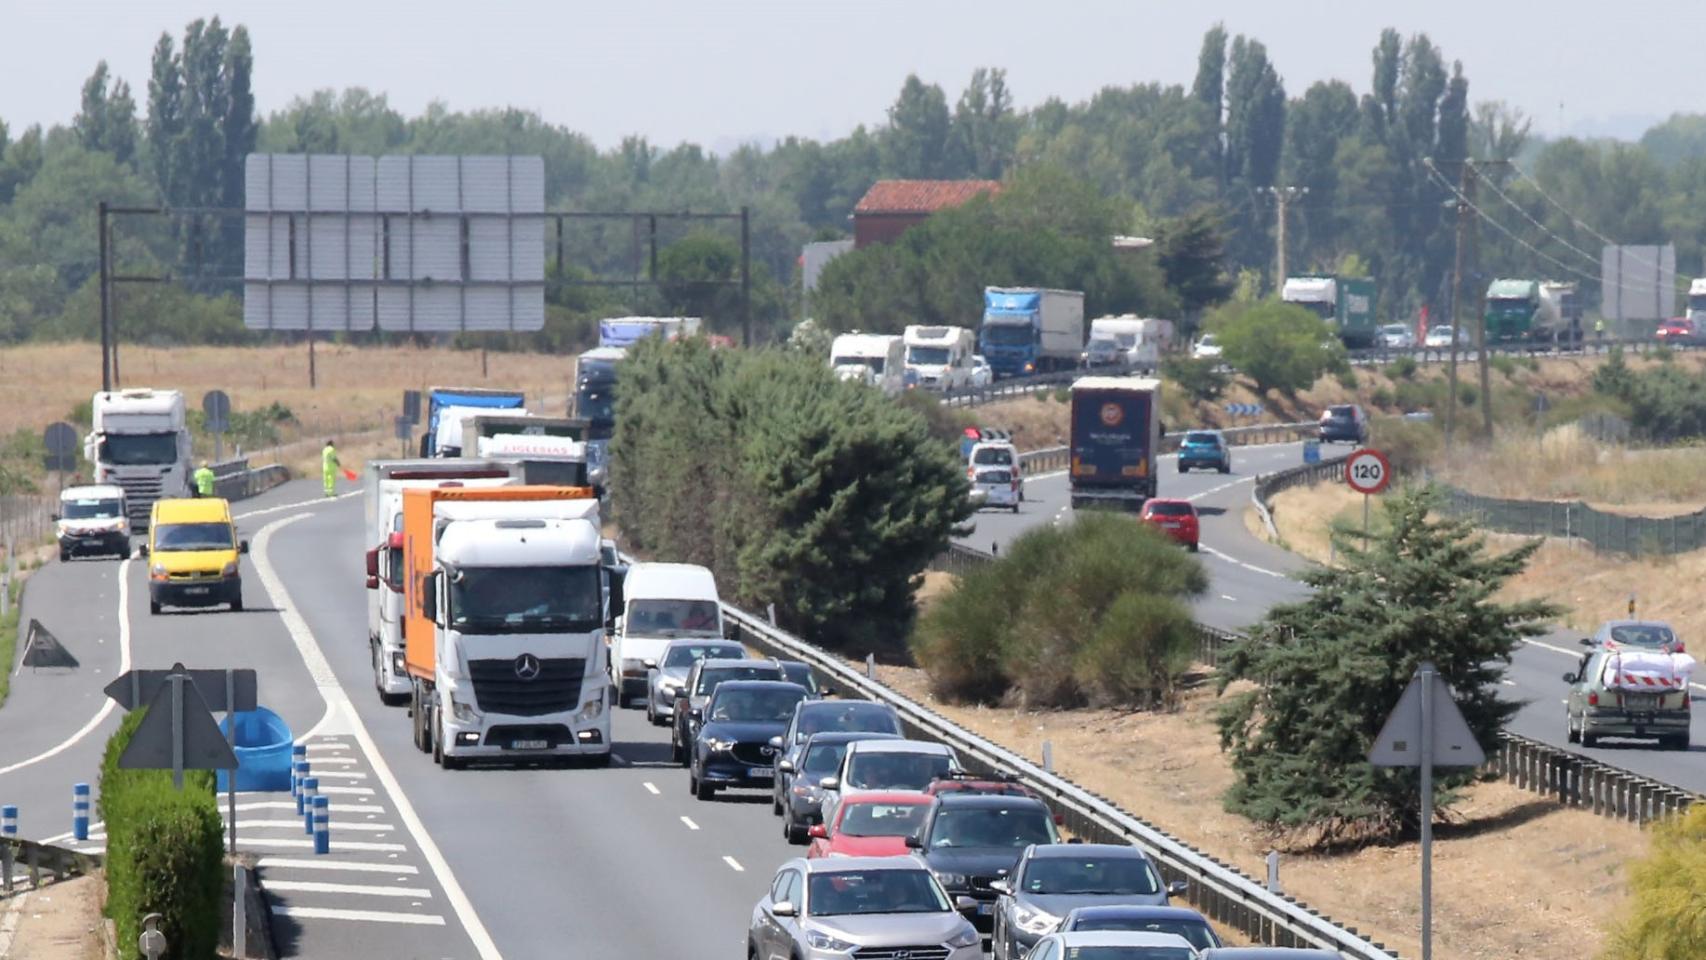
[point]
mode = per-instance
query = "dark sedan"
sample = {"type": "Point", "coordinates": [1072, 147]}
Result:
{"type": "Point", "coordinates": [972, 841]}
{"type": "Point", "coordinates": [702, 682]}
{"type": "Point", "coordinates": [797, 797]}
{"type": "Point", "coordinates": [732, 747]}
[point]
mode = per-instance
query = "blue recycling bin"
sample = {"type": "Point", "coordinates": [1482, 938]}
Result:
{"type": "Point", "coordinates": [263, 751]}
{"type": "Point", "coordinates": [1311, 451]}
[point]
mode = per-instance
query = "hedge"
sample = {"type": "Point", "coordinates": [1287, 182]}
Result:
{"type": "Point", "coordinates": [164, 852]}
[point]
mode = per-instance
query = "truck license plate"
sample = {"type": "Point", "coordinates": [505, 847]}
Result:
{"type": "Point", "coordinates": [528, 744]}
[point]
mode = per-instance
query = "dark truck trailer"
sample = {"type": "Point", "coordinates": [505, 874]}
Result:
{"type": "Point", "coordinates": [1116, 432]}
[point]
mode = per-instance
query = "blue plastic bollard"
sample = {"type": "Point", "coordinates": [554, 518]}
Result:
{"type": "Point", "coordinates": [322, 825]}
{"type": "Point", "coordinates": [80, 811]}
{"type": "Point", "coordinates": [310, 791]}
{"type": "Point", "coordinates": [9, 820]}
{"type": "Point", "coordinates": [299, 773]}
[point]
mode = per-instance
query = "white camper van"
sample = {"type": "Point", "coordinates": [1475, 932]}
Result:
{"type": "Point", "coordinates": [873, 359]}
{"type": "Point", "coordinates": [939, 358]}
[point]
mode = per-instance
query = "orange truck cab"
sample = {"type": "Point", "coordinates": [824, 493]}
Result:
{"type": "Point", "coordinates": [506, 599]}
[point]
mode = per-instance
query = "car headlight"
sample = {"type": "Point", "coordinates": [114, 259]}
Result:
{"type": "Point", "coordinates": [158, 570]}
{"type": "Point", "coordinates": [968, 937]}
{"type": "Point", "coordinates": [1032, 920]}
{"type": "Point", "coordinates": [671, 687]}
{"type": "Point", "coordinates": [951, 879]}
{"type": "Point", "coordinates": [591, 709]}
{"type": "Point", "coordinates": [806, 790]}
{"type": "Point", "coordinates": [464, 712]}
{"type": "Point", "coordinates": [230, 570]}
{"type": "Point", "coordinates": [719, 745]}
{"type": "Point", "coordinates": [823, 941]}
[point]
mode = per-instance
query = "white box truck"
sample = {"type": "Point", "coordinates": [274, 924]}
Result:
{"type": "Point", "coordinates": [141, 443]}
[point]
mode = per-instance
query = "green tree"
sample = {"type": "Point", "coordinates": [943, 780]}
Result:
{"type": "Point", "coordinates": [1191, 253]}
{"type": "Point", "coordinates": [695, 272]}
{"type": "Point", "coordinates": [915, 145]}
{"type": "Point", "coordinates": [1255, 139]}
{"type": "Point", "coordinates": [1663, 918]}
{"type": "Point", "coordinates": [982, 135]}
{"type": "Point", "coordinates": [1279, 346]}
{"type": "Point", "coordinates": [1328, 670]}
{"type": "Point", "coordinates": [107, 121]}
{"type": "Point", "coordinates": [1209, 90]}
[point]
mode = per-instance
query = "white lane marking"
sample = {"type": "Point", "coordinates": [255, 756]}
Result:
{"type": "Point", "coordinates": [298, 505]}
{"type": "Point", "coordinates": [289, 863]}
{"type": "Point", "coordinates": [354, 791]}
{"type": "Point", "coordinates": [369, 846]}
{"type": "Point", "coordinates": [689, 822]}
{"type": "Point", "coordinates": [734, 864]}
{"type": "Point", "coordinates": [336, 698]}
{"type": "Point", "coordinates": [358, 889]}
{"type": "Point", "coordinates": [1229, 599]}
{"type": "Point", "coordinates": [369, 916]}
{"type": "Point", "coordinates": [1508, 683]}
{"type": "Point", "coordinates": [1193, 498]}
{"type": "Point", "coordinates": [342, 761]}
{"type": "Point", "coordinates": [327, 745]}
{"type": "Point", "coordinates": [1237, 562]}
{"type": "Point", "coordinates": [651, 788]}
{"type": "Point", "coordinates": [1044, 476]}
{"type": "Point", "coordinates": [336, 774]}
{"type": "Point", "coordinates": [107, 703]}
{"type": "Point", "coordinates": [336, 825]}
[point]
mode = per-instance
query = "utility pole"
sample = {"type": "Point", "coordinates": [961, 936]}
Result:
{"type": "Point", "coordinates": [1464, 204]}
{"type": "Point", "coordinates": [1283, 196]}
{"type": "Point", "coordinates": [1462, 207]}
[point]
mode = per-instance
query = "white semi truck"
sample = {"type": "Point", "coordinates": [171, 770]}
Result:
{"type": "Point", "coordinates": [1697, 300]}
{"type": "Point", "coordinates": [140, 442]}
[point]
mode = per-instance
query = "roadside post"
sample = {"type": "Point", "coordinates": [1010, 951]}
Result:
{"type": "Point", "coordinates": [1367, 472]}
{"type": "Point", "coordinates": [1426, 730]}
{"type": "Point", "coordinates": [216, 406]}
{"type": "Point", "coordinates": [61, 442]}
{"type": "Point", "coordinates": [310, 793]}
{"type": "Point", "coordinates": [151, 942]}
{"type": "Point", "coordinates": [411, 413]}
{"type": "Point", "coordinates": [322, 824]}
{"type": "Point", "coordinates": [80, 811]}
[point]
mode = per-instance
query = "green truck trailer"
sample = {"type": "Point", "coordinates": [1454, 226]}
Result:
{"type": "Point", "coordinates": [1346, 303]}
{"type": "Point", "coordinates": [1519, 310]}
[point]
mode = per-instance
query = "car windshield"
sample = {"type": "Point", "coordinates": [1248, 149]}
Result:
{"type": "Point", "coordinates": [1341, 413]}
{"type": "Point", "coordinates": [91, 509]}
{"type": "Point", "coordinates": [1196, 931]}
{"type": "Point", "coordinates": [671, 618]}
{"type": "Point", "coordinates": [896, 771]}
{"type": "Point", "coordinates": [927, 356]}
{"type": "Point", "coordinates": [686, 655]}
{"type": "Point", "coordinates": [874, 364]}
{"type": "Point", "coordinates": [1173, 508]}
{"type": "Point", "coordinates": [1208, 340]}
{"type": "Point", "coordinates": [825, 757]}
{"type": "Point", "coordinates": [139, 449]}
{"type": "Point", "coordinates": [1202, 440]}
{"type": "Point", "coordinates": [1000, 456]}
{"type": "Point", "coordinates": [1005, 827]}
{"type": "Point", "coordinates": [171, 537]}
{"type": "Point", "coordinates": [1653, 635]}
{"type": "Point", "coordinates": [1440, 332]}
{"type": "Point", "coordinates": [854, 892]}
{"type": "Point", "coordinates": [1128, 953]}
{"type": "Point", "coordinates": [488, 600]}
{"type": "Point", "coordinates": [709, 680]}
{"type": "Point", "coordinates": [1111, 876]}
{"type": "Point", "coordinates": [882, 819]}
{"type": "Point", "coordinates": [1103, 346]}
{"type": "Point", "coordinates": [738, 705]}
{"type": "Point", "coordinates": [847, 716]}
{"type": "Point", "coordinates": [794, 671]}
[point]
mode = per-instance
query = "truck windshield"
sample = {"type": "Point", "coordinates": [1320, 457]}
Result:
{"type": "Point", "coordinates": [874, 364]}
{"type": "Point", "coordinates": [90, 509]}
{"type": "Point", "coordinates": [1007, 334]}
{"type": "Point", "coordinates": [171, 537]}
{"type": "Point", "coordinates": [1696, 301]}
{"type": "Point", "coordinates": [596, 401]}
{"type": "Point", "coordinates": [927, 356]}
{"type": "Point", "coordinates": [139, 449]}
{"type": "Point", "coordinates": [1321, 308]}
{"type": "Point", "coordinates": [674, 618]}
{"type": "Point", "coordinates": [555, 473]}
{"type": "Point", "coordinates": [525, 599]}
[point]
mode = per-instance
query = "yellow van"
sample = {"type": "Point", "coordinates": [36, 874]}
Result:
{"type": "Point", "coordinates": [192, 554]}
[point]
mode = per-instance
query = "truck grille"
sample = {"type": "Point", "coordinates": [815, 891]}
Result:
{"type": "Point", "coordinates": [139, 496]}
{"type": "Point", "coordinates": [497, 688]}
{"type": "Point", "coordinates": [932, 952]}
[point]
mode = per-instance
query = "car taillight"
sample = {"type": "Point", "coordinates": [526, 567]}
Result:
{"type": "Point", "coordinates": [1593, 699]}
{"type": "Point", "coordinates": [971, 473]}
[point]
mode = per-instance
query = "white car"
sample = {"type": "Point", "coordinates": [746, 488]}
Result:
{"type": "Point", "coordinates": [1439, 338]}
{"type": "Point", "coordinates": [883, 766]}
{"type": "Point", "coordinates": [996, 487]}
{"type": "Point", "coordinates": [1397, 336]}
{"type": "Point", "coordinates": [1208, 346]}
{"type": "Point", "coordinates": [981, 374]}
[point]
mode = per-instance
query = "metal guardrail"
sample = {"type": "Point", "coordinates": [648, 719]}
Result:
{"type": "Point", "coordinates": [1219, 890]}
{"type": "Point", "coordinates": [39, 859]}
{"type": "Point", "coordinates": [235, 480]}
{"type": "Point", "coordinates": [1056, 458]}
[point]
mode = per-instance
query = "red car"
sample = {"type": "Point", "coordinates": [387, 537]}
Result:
{"type": "Point", "coordinates": [1677, 330]}
{"type": "Point", "coordinates": [870, 825]}
{"type": "Point", "coordinates": [1001, 785]}
{"type": "Point", "coordinates": [1175, 518]}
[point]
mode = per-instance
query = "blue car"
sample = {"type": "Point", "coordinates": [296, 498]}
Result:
{"type": "Point", "coordinates": [1204, 448]}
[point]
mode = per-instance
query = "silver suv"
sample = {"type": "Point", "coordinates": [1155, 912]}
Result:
{"type": "Point", "coordinates": [878, 906]}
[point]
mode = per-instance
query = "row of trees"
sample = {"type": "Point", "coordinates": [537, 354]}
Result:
{"type": "Point", "coordinates": [1191, 163]}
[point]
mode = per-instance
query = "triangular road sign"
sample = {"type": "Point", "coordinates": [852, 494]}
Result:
{"type": "Point", "coordinates": [1400, 740]}
{"type": "Point", "coordinates": [204, 747]}
{"type": "Point", "coordinates": [43, 649]}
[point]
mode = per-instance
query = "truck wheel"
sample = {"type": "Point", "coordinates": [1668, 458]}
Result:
{"type": "Point", "coordinates": [1585, 738]}
{"type": "Point", "coordinates": [64, 555]}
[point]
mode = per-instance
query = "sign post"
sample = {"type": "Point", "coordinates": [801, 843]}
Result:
{"type": "Point", "coordinates": [61, 442]}
{"type": "Point", "coordinates": [1367, 472]}
{"type": "Point", "coordinates": [1426, 729]}
{"type": "Point", "coordinates": [217, 408]}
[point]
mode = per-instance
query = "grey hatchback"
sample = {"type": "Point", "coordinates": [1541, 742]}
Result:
{"type": "Point", "coordinates": [1606, 701]}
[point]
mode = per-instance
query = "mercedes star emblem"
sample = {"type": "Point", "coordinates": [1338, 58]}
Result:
{"type": "Point", "coordinates": [527, 666]}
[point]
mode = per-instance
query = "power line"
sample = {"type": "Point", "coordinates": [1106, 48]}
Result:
{"type": "Point", "coordinates": [1434, 171]}
{"type": "Point", "coordinates": [1577, 221]}
{"type": "Point", "coordinates": [1541, 226]}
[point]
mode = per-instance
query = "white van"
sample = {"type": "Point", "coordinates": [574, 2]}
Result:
{"type": "Point", "coordinates": [92, 519]}
{"type": "Point", "coordinates": [1139, 339]}
{"type": "Point", "coordinates": [939, 358]}
{"type": "Point", "coordinates": [877, 360]}
{"type": "Point", "coordinates": [661, 602]}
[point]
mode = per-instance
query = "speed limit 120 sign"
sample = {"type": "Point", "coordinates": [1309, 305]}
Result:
{"type": "Point", "coordinates": [1367, 471]}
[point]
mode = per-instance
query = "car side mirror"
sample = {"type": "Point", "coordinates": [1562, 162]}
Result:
{"type": "Point", "coordinates": [785, 766]}
{"type": "Point", "coordinates": [1001, 886]}
{"type": "Point", "coordinates": [776, 742]}
{"type": "Point", "coordinates": [1586, 641]}
{"type": "Point", "coordinates": [429, 597]}
{"type": "Point", "coordinates": [649, 664]}
{"type": "Point", "coordinates": [785, 908]}
{"type": "Point", "coordinates": [695, 714]}
{"type": "Point", "coordinates": [1177, 888]}
{"type": "Point", "coordinates": [913, 842]}
{"type": "Point", "coordinates": [142, 551]}
{"type": "Point", "coordinates": [818, 832]}
{"type": "Point", "coordinates": [1570, 678]}
{"type": "Point", "coordinates": [829, 783]}
{"type": "Point", "coordinates": [242, 546]}
{"type": "Point", "coordinates": [372, 559]}
{"type": "Point", "coordinates": [57, 518]}
{"type": "Point", "coordinates": [965, 905]}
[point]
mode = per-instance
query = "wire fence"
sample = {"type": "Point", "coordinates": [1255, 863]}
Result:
{"type": "Point", "coordinates": [1573, 520]}
{"type": "Point", "coordinates": [25, 521]}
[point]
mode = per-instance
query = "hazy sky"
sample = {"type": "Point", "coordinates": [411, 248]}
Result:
{"type": "Point", "coordinates": [720, 72]}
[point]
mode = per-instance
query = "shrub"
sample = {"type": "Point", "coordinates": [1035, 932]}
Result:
{"type": "Point", "coordinates": [163, 852]}
{"type": "Point", "coordinates": [1200, 379]}
{"type": "Point", "coordinates": [1410, 445]}
{"type": "Point", "coordinates": [1091, 613]}
{"type": "Point", "coordinates": [1404, 367]}
{"type": "Point", "coordinates": [1662, 922]}
{"type": "Point", "coordinates": [944, 423]}
{"type": "Point", "coordinates": [1279, 346]}
{"type": "Point", "coordinates": [1347, 376]}
{"type": "Point", "coordinates": [1467, 394]}
{"type": "Point", "coordinates": [1503, 363]}
{"type": "Point", "coordinates": [1383, 397]}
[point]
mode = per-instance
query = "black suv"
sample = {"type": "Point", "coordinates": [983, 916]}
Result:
{"type": "Point", "coordinates": [732, 747]}
{"type": "Point", "coordinates": [702, 681]}
{"type": "Point", "coordinates": [1344, 423]}
{"type": "Point", "coordinates": [970, 841]}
